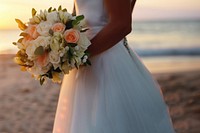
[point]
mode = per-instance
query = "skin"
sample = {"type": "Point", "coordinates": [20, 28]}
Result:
{"type": "Point", "coordinates": [118, 27]}
{"type": "Point", "coordinates": [132, 5]}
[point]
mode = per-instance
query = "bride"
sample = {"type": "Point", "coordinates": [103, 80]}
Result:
{"type": "Point", "coordinates": [116, 94]}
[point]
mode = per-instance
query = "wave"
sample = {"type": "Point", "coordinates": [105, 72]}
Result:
{"type": "Point", "coordinates": [169, 52]}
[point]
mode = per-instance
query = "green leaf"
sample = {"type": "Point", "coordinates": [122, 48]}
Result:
{"type": "Point", "coordinates": [51, 32]}
{"type": "Point", "coordinates": [74, 22]}
{"type": "Point", "coordinates": [71, 50]}
{"type": "Point", "coordinates": [49, 10]}
{"type": "Point", "coordinates": [76, 66]}
{"type": "Point", "coordinates": [77, 20]}
{"type": "Point", "coordinates": [42, 79]}
{"type": "Point", "coordinates": [72, 44]}
{"type": "Point", "coordinates": [39, 51]}
{"type": "Point", "coordinates": [58, 70]}
{"type": "Point", "coordinates": [80, 17]}
{"type": "Point", "coordinates": [14, 43]}
{"type": "Point", "coordinates": [70, 54]}
{"type": "Point", "coordinates": [21, 25]}
{"type": "Point", "coordinates": [54, 9]}
{"type": "Point", "coordinates": [33, 12]}
{"type": "Point", "coordinates": [88, 62]}
{"type": "Point", "coordinates": [23, 34]}
{"type": "Point", "coordinates": [69, 24]}
{"type": "Point", "coordinates": [60, 8]}
{"type": "Point", "coordinates": [50, 73]}
{"type": "Point", "coordinates": [64, 10]}
{"type": "Point", "coordinates": [20, 40]}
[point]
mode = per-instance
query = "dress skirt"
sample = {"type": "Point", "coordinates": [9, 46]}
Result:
{"type": "Point", "coordinates": [116, 94]}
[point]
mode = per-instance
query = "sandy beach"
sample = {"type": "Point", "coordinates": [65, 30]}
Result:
{"type": "Point", "coordinates": [27, 107]}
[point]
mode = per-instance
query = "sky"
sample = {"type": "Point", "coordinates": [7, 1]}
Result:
{"type": "Point", "coordinates": [144, 9]}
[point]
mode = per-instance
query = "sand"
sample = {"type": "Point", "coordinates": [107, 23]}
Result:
{"type": "Point", "coordinates": [27, 107]}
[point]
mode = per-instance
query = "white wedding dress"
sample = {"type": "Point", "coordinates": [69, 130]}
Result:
{"type": "Point", "coordinates": [117, 94]}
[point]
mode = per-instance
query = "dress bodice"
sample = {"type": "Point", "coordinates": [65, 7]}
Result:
{"type": "Point", "coordinates": [95, 15]}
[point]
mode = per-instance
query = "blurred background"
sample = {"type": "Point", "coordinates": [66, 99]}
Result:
{"type": "Point", "coordinates": [166, 35]}
{"type": "Point", "coordinates": [163, 31]}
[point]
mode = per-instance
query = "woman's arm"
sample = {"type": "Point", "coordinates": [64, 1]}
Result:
{"type": "Point", "coordinates": [132, 5]}
{"type": "Point", "coordinates": [119, 25]}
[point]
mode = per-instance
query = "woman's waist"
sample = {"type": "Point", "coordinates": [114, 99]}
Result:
{"type": "Point", "coordinates": [93, 30]}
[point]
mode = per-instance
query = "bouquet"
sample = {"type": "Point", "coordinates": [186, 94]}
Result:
{"type": "Point", "coordinates": [52, 43]}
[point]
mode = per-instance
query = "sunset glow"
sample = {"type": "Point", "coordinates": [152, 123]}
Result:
{"type": "Point", "coordinates": [144, 10]}
{"type": "Point", "coordinates": [11, 9]}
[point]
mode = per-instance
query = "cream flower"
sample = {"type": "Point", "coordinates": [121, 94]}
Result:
{"type": "Point", "coordinates": [44, 27]}
{"type": "Point", "coordinates": [37, 70]}
{"type": "Point", "coordinates": [53, 17]}
{"type": "Point", "coordinates": [83, 42]}
{"type": "Point", "coordinates": [56, 42]}
{"type": "Point", "coordinates": [54, 59]}
{"type": "Point", "coordinates": [40, 41]}
{"type": "Point", "coordinates": [30, 51]}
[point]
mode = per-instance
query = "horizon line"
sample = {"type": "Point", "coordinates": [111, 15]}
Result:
{"type": "Point", "coordinates": [142, 20]}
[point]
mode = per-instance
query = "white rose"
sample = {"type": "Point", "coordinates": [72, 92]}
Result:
{"type": "Point", "coordinates": [36, 70]}
{"type": "Point", "coordinates": [53, 17]}
{"type": "Point", "coordinates": [40, 41]}
{"type": "Point", "coordinates": [67, 16]}
{"type": "Point", "coordinates": [44, 27]}
{"type": "Point", "coordinates": [54, 59]}
{"type": "Point", "coordinates": [30, 50]}
{"type": "Point", "coordinates": [83, 42]}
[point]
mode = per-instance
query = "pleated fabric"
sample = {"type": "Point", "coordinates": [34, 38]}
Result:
{"type": "Point", "coordinates": [117, 94]}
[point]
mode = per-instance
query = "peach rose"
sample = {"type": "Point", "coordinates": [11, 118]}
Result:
{"type": "Point", "coordinates": [43, 60]}
{"type": "Point", "coordinates": [72, 35]}
{"type": "Point", "coordinates": [58, 27]}
{"type": "Point", "coordinates": [32, 31]}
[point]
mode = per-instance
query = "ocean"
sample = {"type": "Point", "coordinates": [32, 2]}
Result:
{"type": "Point", "coordinates": [166, 38]}
{"type": "Point", "coordinates": [164, 46]}
{"type": "Point", "coordinates": [148, 38]}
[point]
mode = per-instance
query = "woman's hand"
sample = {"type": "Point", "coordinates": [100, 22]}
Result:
{"type": "Point", "coordinates": [119, 25]}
